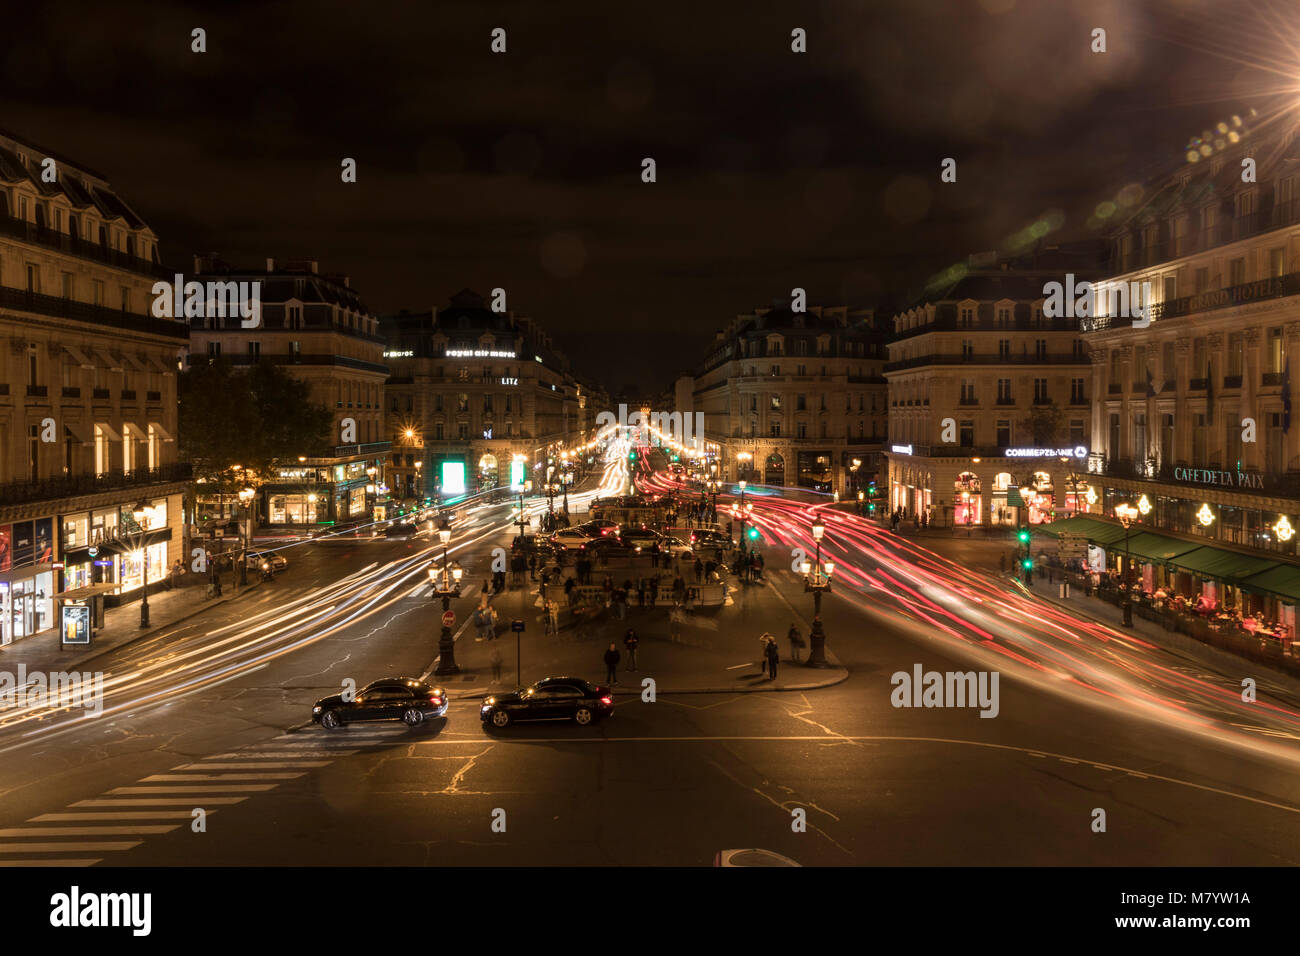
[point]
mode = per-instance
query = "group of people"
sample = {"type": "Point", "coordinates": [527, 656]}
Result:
{"type": "Point", "coordinates": [613, 657]}
{"type": "Point", "coordinates": [899, 515]}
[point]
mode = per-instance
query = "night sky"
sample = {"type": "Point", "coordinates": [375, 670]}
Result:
{"type": "Point", "coordinates": [522, 170]}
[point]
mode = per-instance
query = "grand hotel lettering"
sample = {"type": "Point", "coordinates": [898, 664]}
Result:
{"type": "Point", "coordinates": [1231, 479]}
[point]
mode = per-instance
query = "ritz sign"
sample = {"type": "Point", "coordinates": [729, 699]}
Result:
{"type": "Point", "coordinates": [1227, 479]}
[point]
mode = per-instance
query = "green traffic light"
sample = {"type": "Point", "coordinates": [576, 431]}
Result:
{"type": "Point", "coordinates": [1024, 537]}
{"type": "Point", "coordinates": [1026, 564]}
{"type": "Point", "coordinates": [753, 532]}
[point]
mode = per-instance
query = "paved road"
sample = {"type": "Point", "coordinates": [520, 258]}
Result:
{"type": "Point", "coordinates": [221, 728]}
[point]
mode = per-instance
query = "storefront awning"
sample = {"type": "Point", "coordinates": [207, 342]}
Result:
{"type": "Point", "coordinates": [134, 430]}
{"type": "Point", "coordinates": [80, 431]}
{"type": "Point", "coordinates": [83, 594]}
{"type": "Point", "coordinates": [161, 432]}
{"type": "Point", "coordinates": [1098, 532]}
{"type": "Point", "coordinates": [109, 362]}
{"type": "Point", "coordinates": [1282, 580]}
{"type": "Point", "coordinates": [79, 357]}
{"type": "Point", "coordinates": [134, 362]}
{"type": "Point", "coordinates": [1154, 547]}
{"type": "Point", "coordinates": [109, 431]}
{"type": "Point", "coordinates": [1222, 565]}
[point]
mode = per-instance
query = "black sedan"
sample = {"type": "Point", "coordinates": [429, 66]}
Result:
{"type": "Point", "coordinates": [393, 698]}
{"type": "Point", "coordinates": [553, 698]}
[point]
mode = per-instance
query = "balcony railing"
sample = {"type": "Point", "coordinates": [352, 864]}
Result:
{"type": "Point", "coordinates": [1261, 290]}
{"type": "Point", "coordinates": [69, 486]}
{"type": "Point", "coordinates": [82, 248]}
{"type": "Point", "coordinates": [298, 359]}
{"type": "Point", "coordinates": [983, 358]}
{"type": "Point", "coordinates": [24, 301]}
{"type": "Point", "coordinates": [954, 324]}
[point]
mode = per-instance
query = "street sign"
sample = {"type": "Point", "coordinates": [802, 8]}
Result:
{"type": "Point", "coordinates": [516, 626]}
{"type": "Point", "coordinates": [448, 618]}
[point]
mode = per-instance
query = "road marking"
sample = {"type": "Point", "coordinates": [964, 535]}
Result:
{"type": "Point", "coordinates": [268, 765]}
{"type": "Point", "coordinates": [156, 801]}
{"type": "Point", "coordinates": [268, 755]}
{"type": "Point", "coordinates": [116, 815]}
{"type": "Point", "coordinates": [229, 788]}
{"type": "Point", "coordinates": [87, 831]}
{"type": "Point", "coordinates": [48, 862]}
{"type": "Point", "coordinates": [736, 667]}
{"type": "Point", "coordinates": [181, 777]}
{"type": "Point", "coordinates": [109, 846]}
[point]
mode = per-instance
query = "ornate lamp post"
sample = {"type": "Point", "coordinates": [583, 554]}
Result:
{"type": "Point", "coordinates": [1126, 514]}
{"type": "Point", "coordinates": [245, 499]}
{"type": "Point", "coordinates": [446, 585]}
{"type": "Point", "coordinates": [141, 515]}
{"type": "Point", "coordinates": [817, 579]}
{"type": "Point", "coordinates": [525, 488]}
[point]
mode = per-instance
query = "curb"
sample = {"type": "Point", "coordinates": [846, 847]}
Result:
{"type": "Point", "coordinates": [660, 692]}
{"type": "Point", "coordinates": [78, 661]}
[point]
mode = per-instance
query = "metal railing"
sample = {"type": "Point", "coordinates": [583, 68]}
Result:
{"type": "Point", "coordinates": [68, 486]}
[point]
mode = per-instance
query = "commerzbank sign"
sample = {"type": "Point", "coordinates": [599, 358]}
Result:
{"type": "Point", "coordinates": [1078, 451]}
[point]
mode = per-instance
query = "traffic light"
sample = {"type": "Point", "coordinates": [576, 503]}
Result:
{"type": "Point", "coordinates": [1023, 535]}
{"type": "Point", "coordinates": [753, 533]}
{"type": "Point", "coordinates": [871, 508]}
{"type": "Point", "coordinates": [676, 458]}
{"type": "Point", "coordinates": [631, 456]}
{"type": "Point", "coordinates": [1027, 564]}
{"type": "Point", "coordinates": [871, 489]}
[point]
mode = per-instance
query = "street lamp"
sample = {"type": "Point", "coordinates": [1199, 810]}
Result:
{"type": "Point", "coordinates": [141, 515]}
{"type": "Point", "coordinates": [1126, 514]}
{"type": "Point", "coordinates": [861, 496]}
{"type": "Point", "coordinates": [245, 499]}
{"type": "Point", "coordinates": [817, 579]}
{"type": "Point", "coordinates": [526, 487]}
{"type": "Point", "coordinates": [449, 588]}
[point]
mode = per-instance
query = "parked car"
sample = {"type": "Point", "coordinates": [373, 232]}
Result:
{"type": "Point", "coordinates": [708, 538]}
{"type": "Point", "coordinates": [535, 544]}
{"type": "Point", "coordinates": [392, 698]}
{"type": "Point", "coordinates": [255, 559]}
{"type": "Point", "coordinates": [598, 526]}
{"type": "Point", "coordinates": [607, 546]}
{"type": "Point", "coordinates": [552, 698]}
{"type": "Point", "coordinates": [571, 538]}
{"type": "Point", "coordinates": [646, 538]}
{"type": "Point", "coordinates": [751, 858]}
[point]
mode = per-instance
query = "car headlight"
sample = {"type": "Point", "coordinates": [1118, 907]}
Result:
{"type": "Point", "coordinates": [316, 709]}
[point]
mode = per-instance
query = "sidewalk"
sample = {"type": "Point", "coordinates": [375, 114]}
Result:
{"type": "Point", "coordinates": [43, 652]}
{"type": "Point", "coordinates": [718, 653]}
{"type": "Point", "coordinates": [1175, 643]}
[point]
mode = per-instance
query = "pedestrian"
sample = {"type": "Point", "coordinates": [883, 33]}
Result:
{"type": "Point", "coordinates": [532, 567]}
{"type": "Point", "coordinates": [654, 590]}
{"type": "Point", "coordinates": [758, 565]}
{"type": "Point", "coordinates": [796, 642]}
{"type": "Point", "coordinates": [640, 592]}
{"type": "Point", "coordinates": [630, 641]}
{"type": "Point", "coordinates": [773, 656]}
{"type": "Point", "coordinates": [699, 571]}
{"type": "Point", "coordinates": [654, 555]}
{"type": "Point", "coordinates": [676, 618]}
{"type": "Point", "coordinates": [487, 587]}
{"type": "Point", "coordinates": [679, 590]}
{"type": "Point", "coordinates": [709, 568]}
{"type": "Point", "coordinates": [568, 589]}
{"type": "Point", "coordinates": [764, 640]}
{"type": "Point", "coordinates": [497, 660]}
{"type": "Point", "coordinates": [611, 663]}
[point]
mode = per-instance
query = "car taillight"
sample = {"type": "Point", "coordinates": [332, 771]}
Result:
{"type": "Point", "coordinates": [607, 701]}
{"type": "Point", "coordinates": [436, 700]}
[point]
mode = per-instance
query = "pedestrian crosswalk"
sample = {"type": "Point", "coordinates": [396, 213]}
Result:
{"type": "Point", "coordinates": [100, 829]}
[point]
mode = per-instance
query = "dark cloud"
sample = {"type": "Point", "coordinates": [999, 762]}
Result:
{"type": "Point", "coordinates": [523, 171]}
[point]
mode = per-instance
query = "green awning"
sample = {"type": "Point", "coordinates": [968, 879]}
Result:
{"type": "Point", "coordinates": [1282, 580]}
{"type": "Point", "coordinates": [1013, 498]}
{"type": "Point", "coordinates": [1222, 565]}
{"type": "Point", "coordinates": [1154, 547]}
{"type": "Point", "coordinates": [1098, 532]}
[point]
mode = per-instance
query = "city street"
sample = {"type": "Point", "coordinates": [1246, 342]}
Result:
{"type": "Point", "coordinates": [215, 715]}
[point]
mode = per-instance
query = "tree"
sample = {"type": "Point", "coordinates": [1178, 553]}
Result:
{"type": "Point", "coordinates": [1044, 425]}
{"type": "Point", "coordinates": [250, 418]}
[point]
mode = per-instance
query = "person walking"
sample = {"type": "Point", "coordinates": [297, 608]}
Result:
{"type": "Point", "coordinates": [699, 571]}
{"type": "Point", "coordinates": [676, 619]}
{"type": "Point", "coordinates": [497, 661]}
{"type": "Point", "coordinates": [796, 642]}
{"type": "Point", "coordinates": [532, 567]}
{"type": "Point", "coordinates": [654, 590]}
{"type": "Point", "coordinates": [773, 656]}
{"type": "Point", "coordinates": [630, 641]}
{"type": "Point", "coordinates": [764, 640]}
{"type": "Point", "coordinates": [758, 565]}
{"type": "Point", "coordinates": [612, 657]}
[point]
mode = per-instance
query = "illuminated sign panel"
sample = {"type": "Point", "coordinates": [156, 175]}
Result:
{"type": "Point", "coordinates": [901, 449]}
{"type": "Point", "coordinates": [453, 477]}
{"type": "Point", "coordinates": [478, 353]}
{"type": "Point", "coordinates": [516, 473]}
{"type": "Point", "coordinates": [1078, 451]}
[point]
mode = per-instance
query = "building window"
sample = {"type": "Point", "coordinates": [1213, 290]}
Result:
{"type": "Point", "coordinates": [967, 316]}
{"type": "Point", "coordinates": [1040, 391]}
{"type": "Point", "coordinates": [967, 349]}
{"type": "Point", "coordinates": [1077, 395]}
{"type": "Point", "coordinates": [800, 403]}
{"type": "Point", "coordinates": [214, 349]}
{"type": "Point", "coordinates": [1004, 390]}
{"type": "Point", "coordinates": [967, 434]}
{"type": "Point", "coordinates": [1004, 350]}
{"type": "Point", "coordinates": [1004, 433]}
{"type": "Point", "coordinates": [1076, 431]}
{"type": "Point", "coordinates": [255, 351]}
{"type": "Point", "coordinates": [967, 392]}
{"type": "Point", "coordinates": [1275, 350]}
{"type": "Point", "coordinates": [1040, 349]}
{"type": "Point", "coordinates": [801, 429]}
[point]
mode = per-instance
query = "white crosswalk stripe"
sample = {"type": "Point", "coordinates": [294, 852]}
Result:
{"type": "Point", "coordinates": [127, 830]}
{"type": "Point", "coordinates": [183, 777]}
{"type": "Point", "coordinates": [213, 788]}
{"type": "Point", "coordinates": [51, 862]}
{"type": "Point", "coordinates": [156, 801]}
{"type": "Point", "coordinates": [94, 846]}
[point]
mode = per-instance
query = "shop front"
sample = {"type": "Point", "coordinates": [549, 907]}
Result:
{"type": "Point", "coordinates": [27, 578]}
